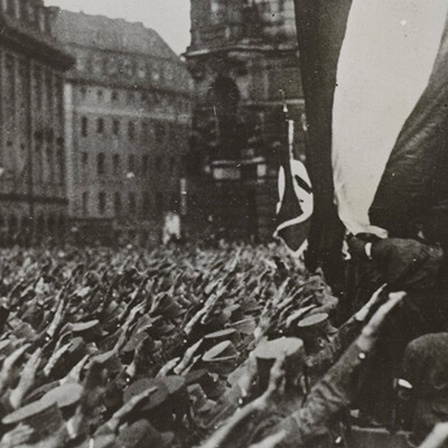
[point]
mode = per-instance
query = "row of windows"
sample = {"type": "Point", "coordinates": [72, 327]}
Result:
{"type": "Point", "coordinates": [29, 11]}
{"type": "Point", "coordinates": [15, 227]}
{"type": "Point", "coordinates": [46, 88]}
{"type": "Point", "coordinates": [113, 65]}
{"type": "Point", "coordinates": [132, 97]}
{"type": "Point", "coordinates": [145, 208]}
{"type": "Point", "coordinates": [160, 129]}
{"type": "Point", "coordinates": [101, 163]}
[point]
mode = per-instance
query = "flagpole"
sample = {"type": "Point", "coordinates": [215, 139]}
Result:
{"type": "Point", "coordinates": [290, 124]}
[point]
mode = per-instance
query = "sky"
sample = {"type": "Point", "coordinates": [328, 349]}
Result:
{"type": "Point", "coordinates": [170, 18]}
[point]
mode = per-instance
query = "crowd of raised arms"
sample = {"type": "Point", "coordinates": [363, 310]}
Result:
{"type": "Point", "coordinates": [177, 347]}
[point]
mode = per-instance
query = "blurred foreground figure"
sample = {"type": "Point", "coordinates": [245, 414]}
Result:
{"type": "Point", "coordinates": [425, 368]}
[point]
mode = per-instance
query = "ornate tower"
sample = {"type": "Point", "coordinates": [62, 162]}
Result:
{"type": "Point", "coordinates": [244, 60]}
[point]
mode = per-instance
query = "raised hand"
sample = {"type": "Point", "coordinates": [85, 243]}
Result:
{"type": "Point", "coordinates": [9, 365]}
{"type": "Point", "coordinates": [16, 437]}
{"type": "Point", "coordinates": [26, 379]}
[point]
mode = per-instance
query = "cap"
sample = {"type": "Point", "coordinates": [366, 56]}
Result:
{"type": "Point", "coordinates": [109, 360]}
{"type": "Point", "coordinates": [158, 397]}
{"type": "Point", "coordinates": [318, 320]}
{"type": "Point", "coordinates": [221, 358]}
{"type": "Point", "coordinates": [229, 334]}
{"type": "Point", "coordinates": [159, 408]}
{"type": "Point", "coordinates": [245, 326]}
{"type": "Point", "coordinates": [314, 330]}
{"type": "Point", "coordinates": [268, 352]}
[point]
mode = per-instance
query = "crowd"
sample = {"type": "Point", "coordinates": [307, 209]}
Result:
{"type": "Point", "coordinates": [111, 347]}
{"type": "Point", "coordinates": [176, 347]}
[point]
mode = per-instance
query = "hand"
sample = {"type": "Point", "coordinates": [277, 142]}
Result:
{"type": "Point", "coordinates": [370, 331]}
{"type": "Point", "coordinates": [116, 420]}
{"type": "Point", "coordinates": [356, 248]}
{"type": "Point", "coordinates": [17, 437]}
{"type": "Point", "coordinates": [8, 366]}
{"type": "Point", "coordinates": [277, 375]}
{"type": "Point", "coordinates": [248, 375]}
{"type": "Point", "coordinates": [26, 379]}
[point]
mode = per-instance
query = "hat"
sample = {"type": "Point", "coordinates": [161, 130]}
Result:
{"type": "Point", "coordinates": [211, 339]}
{"type": "Point", "coordinates": [267, 352]}
{"type": "Point", "coordinates": [245, 326]}
{"type": "Point", "coordinates": [313, 330]}
{"type": "Point", "coordinates": [109, 360]}
{"type": "Point", "coordinates": [142, 434]}
{"type": "Point", "coordinates": [158, 409]}
{"type": "Point", "coordinates": [158, 397]}
{"type": "Point", "coordinates": [221, 358]}
{"type": "Point", "coordinates": [318, 320]}
{"type": "Point", "coordinates": [45, 419]}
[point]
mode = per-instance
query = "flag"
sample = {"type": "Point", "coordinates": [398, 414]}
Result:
{"type": "Point", "coordinates": [376, 92]}
{"type": "Point", "coordinates": [295, 205]}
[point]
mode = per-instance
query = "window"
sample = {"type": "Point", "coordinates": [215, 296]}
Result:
{"type": "Point", "coordinates": [160, 132]}
{"type": "Point", "coordinates": [100, 126]}
{"type": "Point", "coordinates": [114, 96]}
{"type": "Point", "coordinates": [84, 126]}
{"type": "Point", "coordinates": [131, 163]}
{"type": "Point", "coordinates": [84, 159]}
{"type": "Point", "coordinates": [131, 130]}
{"type": "Point", "coordinates": [61, 164]}
{"type": "Point", "coordinates": [117, 204]}
{"type": "Point", "coordinates": [85, 203]}
{"type": "Point", "coordinates": [144, 130]}
{"type": "Point", "coordinates": [130, 97]}
{"type": "Point", "coordinates": [116, 127]}
{"type": "Point", "coordinates": [145, 164]}
{"type": "Point", "coordinates": [116, 163]}
{"type": "Point", "coordinates": [102, 202]}
{"type": "Point", "coordinates": [132, 203]}
{"type": "Point", "coordinates": [100, 163]}
{"type": "Point", "coordinates": [99, 95]}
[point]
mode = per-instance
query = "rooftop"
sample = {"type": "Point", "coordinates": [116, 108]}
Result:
{"type": "Point", "coordinates": [103, 33]}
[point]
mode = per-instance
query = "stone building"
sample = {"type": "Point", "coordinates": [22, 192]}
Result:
{"type": "Point", "coordinates": [128, 120]}
{"type": "Point", "coordinates": [244, 60]}
{"type": "Point", "coordinates": [32, 165]}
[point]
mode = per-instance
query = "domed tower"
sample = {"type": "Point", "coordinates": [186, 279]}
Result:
{"type": "Point", "coordinates": [244, 60]}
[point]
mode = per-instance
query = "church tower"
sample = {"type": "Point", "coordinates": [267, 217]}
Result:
{"type": "Point", "coordinates": [244, 61]}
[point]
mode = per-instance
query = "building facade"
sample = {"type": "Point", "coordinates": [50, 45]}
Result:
{"type": "Point", "coordinates": [128, 119]}
{"type": "Point", "coordinates": [244, 59]}
{"type": "Point", "coordinates": [33, 201]}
